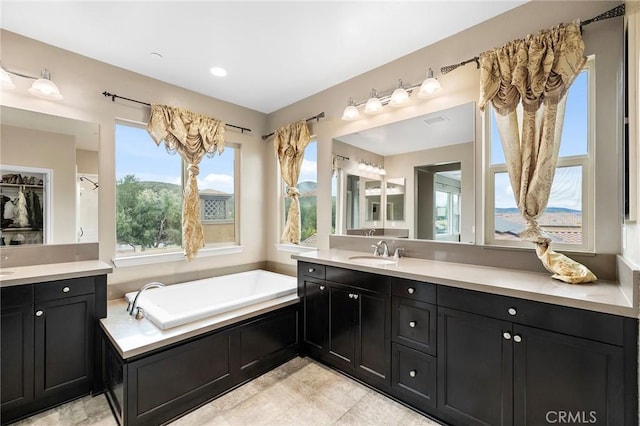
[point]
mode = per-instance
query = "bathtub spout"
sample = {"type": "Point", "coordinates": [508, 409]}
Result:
{"type": "Point", "coordinates": [132, 306]}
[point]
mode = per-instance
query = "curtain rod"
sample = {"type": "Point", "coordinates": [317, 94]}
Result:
{"type": "Point", "coordinates": [113, 97]}
{"type": "Point", "coordinates": [612, 13]}
{"type": "Point", "coordinates": [315, 117]}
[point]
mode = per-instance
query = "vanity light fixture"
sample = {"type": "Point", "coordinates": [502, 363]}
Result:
{"type": "Point", "coordinates": [42, 87]}
{"type": "Point", "coordinates": [371, 168]}
{"type": "Point", "coordinates": [399, 97]}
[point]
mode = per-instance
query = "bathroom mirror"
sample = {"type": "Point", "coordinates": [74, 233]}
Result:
{"type": "Point", "coordinates": [438, 144]}
{"type": "Point", "coordinates": [67, 150]}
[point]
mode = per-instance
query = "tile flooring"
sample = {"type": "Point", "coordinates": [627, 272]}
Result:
{"type": "Point", "coordinates": [299, 392]}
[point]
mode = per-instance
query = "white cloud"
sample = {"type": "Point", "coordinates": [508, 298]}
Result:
{"type": "Point", "coordinates": [308, 171]}
{"type": "Point", "coordinates": [217, 181]}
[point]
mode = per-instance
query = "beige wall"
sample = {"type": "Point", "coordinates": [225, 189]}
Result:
{"type": "Point", "coordinates": [55, 151]}
{"type": "Point", "coordinates": [87, 161]}
{"type": "Point", "coordinates": [461, 86]}
{"type": "Point", "coordinates": [82, 80]}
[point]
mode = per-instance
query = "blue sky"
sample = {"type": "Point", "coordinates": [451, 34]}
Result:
{"type": "Point", "coordinates": [566, 190]}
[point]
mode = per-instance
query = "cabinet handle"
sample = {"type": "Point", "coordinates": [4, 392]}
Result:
{"type": "Point", "coordinates": [322, 288]}
{"type": "Point", "coordinates": [66, 290]}
{"type": "Point", "coordinates": [39, 313]}
{"type": "Point", "coordinates": [411, 290]}
{"type": "Point", "coordinates": [512, 311]}
{"type": "Point", "coordinates": [355, 296]}
{"type": "Point", "coordinates": [312, 269]}
{"type": "Point", "coordinates": [412, 324]}
{"type": "Point", "coordinates": [413, 373]}
{"type": "Point", "coordinates": [506, 335]}
{"type": "Point", "coordinates": [517, 338]}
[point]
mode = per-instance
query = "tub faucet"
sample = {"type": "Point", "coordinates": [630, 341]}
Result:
{"type": "Point", "coordinates": [131, 307]}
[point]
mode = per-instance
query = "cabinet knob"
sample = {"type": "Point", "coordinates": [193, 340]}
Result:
{"type": "Point", "coordinates": [39, 313]}
{"type": "Point", "coordinates": [312, 269]}
{"type": "Point", "coordinates": [512, 311]}
{"type": "Point", "coordinates": [66, 290]}
{"type": "Point", "coordinates": [355, 296]}
{"type": "Point", "coordinates": [412, 324]}
{"type": "Point", "coordinates": [517, 338]}
{"type": "Point", "coordinates": [350, 295]}
{"type": "Point", "coordinates": [322, 288]}
{"type": "Point", "coordinates": [413, 373]}
{"type": "Point", "coordinates": [506, 335]}
{"type": "Point", "coordinates": [411, 290]}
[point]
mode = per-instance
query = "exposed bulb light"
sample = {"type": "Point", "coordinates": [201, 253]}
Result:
{"type": "Point", "coordinates": [43, 87]}
{"type": "Point", "coordinates": [362, 166]}
{"type": "Point", "coordinates": [400, 96]}
{"type": "Point", "coordinates": [429, 86]}
{"type": "Point", "coordinates": [373, 105]}
{"type": "Point", "coordinates": [351, 111]}
{"type": "Point", "coordinates": [5, 79]}
{"type": "Point", "coordinates": [382, 171]}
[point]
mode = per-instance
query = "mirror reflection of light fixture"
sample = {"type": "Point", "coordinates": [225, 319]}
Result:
{"type": "Point", "coordinates": [429, 86]}
{"type": "Point", "coordinates": [351, 111]}
{"type": "Point", "coordinates": [42, 87]}
{"type": "Point", "coordinates": [374, 105]}
{"type": "Point", "coordinates": [371, 168]}
{"type": "Point", "coordinates": [400, 96]}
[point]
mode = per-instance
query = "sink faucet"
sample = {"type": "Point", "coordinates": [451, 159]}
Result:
{"type": "Point", "coordinates": [131, 307]}
{"type": "Point", "coordinates": [382, 244]}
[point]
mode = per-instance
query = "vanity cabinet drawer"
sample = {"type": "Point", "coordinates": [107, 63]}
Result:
{"type": "Point", "coordinates": [415, 290]}
{"type": "Point", "coordinates": [576, 322]}
{"type": "Point", "coordinates": [63, 288]}
{"type": "Point", "coordinates": [414, 376]}
{"type": "Point", "coordinates": [312, 270]}
{"type": "Point", "coordinates": [414, 324]}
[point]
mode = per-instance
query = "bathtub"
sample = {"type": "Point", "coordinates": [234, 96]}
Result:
{"type": "Point", "coordinates": [182, 303]}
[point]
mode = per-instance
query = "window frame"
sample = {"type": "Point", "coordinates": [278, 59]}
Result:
{"type": "Point", "coordinates": [586, 162]}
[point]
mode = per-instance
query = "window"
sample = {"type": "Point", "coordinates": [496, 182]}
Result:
{"type": "Point", "coordinates": [568, 216]}
{"type": "Point", "coordinates": [149, 187]}
{"type": "Point", "coordinates": [307, 185]}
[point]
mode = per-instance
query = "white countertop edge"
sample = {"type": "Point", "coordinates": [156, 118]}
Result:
{"type": "Point", "coordinates": [539, 287]}
{"type": "Point", "coordinates": [133, 337]}
{"type": "Point", "coordinates": [19, 275]}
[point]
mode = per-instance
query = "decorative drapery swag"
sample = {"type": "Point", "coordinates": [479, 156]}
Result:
{"type": "Point", "coordinates": [192, 136]}
{"type": "Point", "coordinates": [526, 82]}
{"type": "Point", "coordinates": [289, 144]}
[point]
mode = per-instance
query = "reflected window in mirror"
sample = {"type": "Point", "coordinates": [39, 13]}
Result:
{"type": "Point", "coordinates": [149, 188]}
{"type": "Point", "coordinates": [568, 217]}
{"type": "Point", "coordinates": [394, 191]}
{"type": "Point", "coordinates": [307, 187]}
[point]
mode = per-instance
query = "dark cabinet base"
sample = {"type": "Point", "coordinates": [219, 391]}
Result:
{"type": "Point", "coordinates": [159, 387]}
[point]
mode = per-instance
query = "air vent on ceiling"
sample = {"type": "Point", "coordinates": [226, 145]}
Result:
{"type": "Point", "coordinates": [436, 119]}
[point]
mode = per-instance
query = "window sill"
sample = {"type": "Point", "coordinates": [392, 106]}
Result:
{"type": "Point", "coordinates": [173, 256]}
{"type": "Point", "coordinates": [294, 248]}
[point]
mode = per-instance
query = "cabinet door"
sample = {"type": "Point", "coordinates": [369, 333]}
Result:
{"type": "Point", "coordinates": [475, 376]}
{"type": "Point", "coordinates": [341, 326]}
{"type": "Point", "coordinates": [316, 315]}
{"type": "Point", "coordinates": [372, 346]}
{"type": "Point", "coordinates": [16, 353]}
{"type": "Point", "coordinates": [566, 379]}
{"type": "Point", "coordinates": [64, 347]}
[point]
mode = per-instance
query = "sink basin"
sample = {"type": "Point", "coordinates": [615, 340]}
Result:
{"type": "Point", "coordinates": [373, 260]}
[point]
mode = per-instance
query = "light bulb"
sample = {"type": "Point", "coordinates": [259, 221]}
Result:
{"type": "Point", "coordinates": [429, 86]}
{"type": "Point", "coordinates": [399, 97]}
{"type": "Point", "coordinates": [5, 80]}
{"type": "Point", "coordinates": [45, 88]}
{"type": "Point", "coordinates": [373, 106]}
{"type": "Point", "coordinates": [351, 111]}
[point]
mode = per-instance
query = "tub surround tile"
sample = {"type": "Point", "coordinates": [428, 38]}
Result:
{"type": "Point", "coordinates": [19, 275]}
{"type": "Point", "coordinates": [629, 279]}
{"type": "Point", "coordinates": [133, 337]}
{"type": "Point", "coordinates": [600, 296]}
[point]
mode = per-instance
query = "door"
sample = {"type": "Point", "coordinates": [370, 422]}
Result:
{"type": "Point", "coordinates": [316, 315]}
{"type": "Point", "coordinates": [475, 359]}
{"type": "Point", "coordinates": [63, 347]}
{"type": "Point", "coordinates": [566, 379]}
{"type": "Point", "coordinates": [341, 326]}
{"type": "Point", "coordinates": [372, 346]}
{"type": "Point", "coordinates": [16, 356]}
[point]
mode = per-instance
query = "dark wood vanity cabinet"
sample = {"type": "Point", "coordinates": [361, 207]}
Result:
{"type": "Point", "coordinates": [502, 361]}
{"type": "Point", "coordinates": [47, 343]}
{"type": "Point", "coordinates": [347, 320]}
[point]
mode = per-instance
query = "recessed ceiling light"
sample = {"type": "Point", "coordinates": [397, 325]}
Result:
{"type": "Point", "coordinates": [218, 71]}
{"type": "Point", "coordinates": [156, 55]}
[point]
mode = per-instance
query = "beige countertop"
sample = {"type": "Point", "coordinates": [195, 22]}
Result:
{"type": "Point", "coordinates": [18, 275]}
{"type": "Point", "coordinates": [599, 296]}
{"type": "Point", "coordinates": [133, 337]}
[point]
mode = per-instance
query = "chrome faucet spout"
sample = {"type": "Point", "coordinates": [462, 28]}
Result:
{"type": "Point", "coordinates": [132, 306]}
{"type": "Point", "coordinates": [382, 244]}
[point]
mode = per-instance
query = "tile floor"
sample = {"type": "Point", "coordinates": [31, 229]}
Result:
{"type": "Point", "coordinates": [300, 392]}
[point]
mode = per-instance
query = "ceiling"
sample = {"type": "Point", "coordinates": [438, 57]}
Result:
{"type": "Point", "coordinates": [447, 127]}
{"type": "Point", "coordinates": [276, 53]}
